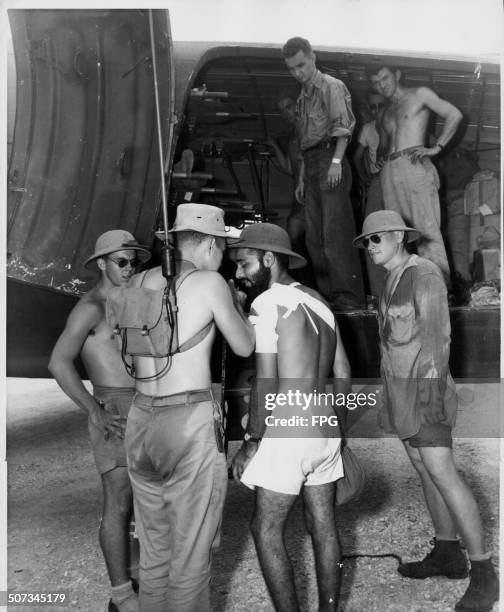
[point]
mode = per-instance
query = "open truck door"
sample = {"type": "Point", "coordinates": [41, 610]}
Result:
{"type": "Point", "coordinates": [84, 159]}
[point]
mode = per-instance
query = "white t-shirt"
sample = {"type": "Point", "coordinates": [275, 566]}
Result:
{"type": "Point", "coordinates": [265, 309]}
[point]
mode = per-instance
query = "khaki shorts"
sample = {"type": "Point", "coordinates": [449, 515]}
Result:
{"type": "Point", "coordinates": [110, 453]}
{"type": "Point", "coordinates": [285, 465]}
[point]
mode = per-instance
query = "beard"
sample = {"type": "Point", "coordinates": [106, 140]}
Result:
{"type": "Point", "coordinates": [257, 283]}
{"type": "Point", "coordinates": [261, 279]}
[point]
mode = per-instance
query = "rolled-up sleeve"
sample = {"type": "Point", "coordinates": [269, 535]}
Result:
{"type": "Point", "coordinates": [339, 104]}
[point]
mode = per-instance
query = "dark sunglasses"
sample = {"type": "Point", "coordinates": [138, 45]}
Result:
{"type": "Point", "coordinates": [375, 239]}
{"type": "Point", "coordinates": [376, 106]}
{"type": "Point", "coordinates": [122, 262]}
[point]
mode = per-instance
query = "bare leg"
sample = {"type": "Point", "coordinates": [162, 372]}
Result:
{"type": "Point", "coordinates": [117, 510]}
{"type": "Point", "coordinates": [321, 524]}
{"type": "Point", "coordinates": [267, 527]}
{"type": "Point", "coordinates": [456, 495]}
{"type": "Point", "coordinates": [443, 521]}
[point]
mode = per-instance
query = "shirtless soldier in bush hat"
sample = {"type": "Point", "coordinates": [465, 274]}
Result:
{"type": "Point", "coordinates": [175, 456]}
{"type": "Point", "coordinates": [116, 255]}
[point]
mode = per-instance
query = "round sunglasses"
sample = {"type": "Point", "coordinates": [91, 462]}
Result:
{"type": "Point", "coordinates": [375, 239]}
{"type": "Point", "coordinates": [122, 262]}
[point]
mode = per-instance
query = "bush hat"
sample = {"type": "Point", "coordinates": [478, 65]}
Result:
{"type": "Point", "coordinates": [202, 218]}
{"type": "Point", "coordinates": [117, 240]}
{"type": "Point", "coordinates": [385, 221]}
{"type": "Point", "coordinates": [268, 237]}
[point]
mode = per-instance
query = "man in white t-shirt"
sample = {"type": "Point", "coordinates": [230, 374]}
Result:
{"type": "Point", "coordinates": [287, 450]}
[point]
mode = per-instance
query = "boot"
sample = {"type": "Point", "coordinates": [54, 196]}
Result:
{"type": "Point", "coordinates": [445, 559]}
{"type": "Point", "coordinates": [483, 589]}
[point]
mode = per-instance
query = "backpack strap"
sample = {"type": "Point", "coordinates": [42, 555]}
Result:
{"type": "Point", "coordinates": [144, 274]}
{"type": "Point", "coordinates": [181, 277]}
{"type": "Point", "coordinates": [196, 339]}
{"type": "Point", "coordinates": [203, 333]}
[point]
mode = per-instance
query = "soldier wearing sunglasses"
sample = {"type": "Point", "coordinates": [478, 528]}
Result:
{"type": "Point", "coordinates": [116, 255]}
{"type": "Point", "coordinates": [419, 404]}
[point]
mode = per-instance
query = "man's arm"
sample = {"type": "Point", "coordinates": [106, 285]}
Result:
{"type": "Point", "coordinates": [434, 323]}
{"type": "Point", "coordinates": [229, 316]}
{"type": "Point", "coordinates": [339, 105]}
{"type": "Point", "coordinates": [83, 318]}
{"type": "Point", "coordinates": [433, 316]}
{"type": "Point", "coordinates": [265, 382]}
{"type": "Point", "coordinates": [299, 191]}
{"type": "Point", "coordinates": [284, 161]}
{"type": "Point", "coordinates": [452, 118]}
{"type": "Point", "coordinates": [341, 379]}
{"type": "Point", "coordinates": [335, 172]}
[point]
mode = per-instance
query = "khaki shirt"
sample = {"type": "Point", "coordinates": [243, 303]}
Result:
{"type": "Point", "coordinates": [414, 327]}
{"type": "Point", "coordinates": [323, 111]}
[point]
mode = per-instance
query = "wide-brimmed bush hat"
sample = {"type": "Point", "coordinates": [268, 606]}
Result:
{"type": "Point", "coordinates": [117, 240]}
{"type": "Point", "coordinates": [385, 221]}
{"type": "Point", "coordinates": [194, 217]}
{"type": "Point", "coordinates": [268, 237]}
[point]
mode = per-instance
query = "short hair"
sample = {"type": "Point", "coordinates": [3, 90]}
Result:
{"type": "Point", "coordinates": [189, 238]}
{"type": "Point", "coordinates": [373, 69]}
{"type": "Point", "coordinates": [294, 45]}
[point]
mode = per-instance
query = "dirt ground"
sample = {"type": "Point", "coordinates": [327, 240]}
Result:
{"type": "Point", "coordinates": [54, 505]}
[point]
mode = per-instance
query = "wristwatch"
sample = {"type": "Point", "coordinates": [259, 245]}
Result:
{"type": "Point", "coordinates": [248, 438]}
{"type": "Point", "coordinates": [335, 160]}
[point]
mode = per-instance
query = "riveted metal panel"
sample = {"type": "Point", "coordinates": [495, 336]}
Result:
{"type": "Point", "coordinates": [84, 157]}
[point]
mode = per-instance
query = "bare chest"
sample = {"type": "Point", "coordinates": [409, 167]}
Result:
{"type": "Point", "coordinates": [101, 341]}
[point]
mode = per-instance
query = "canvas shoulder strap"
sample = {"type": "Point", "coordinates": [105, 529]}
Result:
{"type": "Point", "coordinates": [203, 333]}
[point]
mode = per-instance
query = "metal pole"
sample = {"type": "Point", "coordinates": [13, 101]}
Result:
{"type": "Point", "coordinates": [167, 260]}
{"type": "Point", "coordinates": [158, 124]}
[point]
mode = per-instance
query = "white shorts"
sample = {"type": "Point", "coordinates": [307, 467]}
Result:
{"type": "Point", "coordinates": [284, 465]}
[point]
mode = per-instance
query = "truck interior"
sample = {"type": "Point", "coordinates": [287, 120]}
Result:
{"type": "Point", "coordinates": [230, 112]}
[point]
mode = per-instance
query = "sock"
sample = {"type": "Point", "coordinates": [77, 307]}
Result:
{"type": "Point", "coordinates": [441, 538]}
{"type": "Point", "coordinates": [482, 557]}
{"type": "Point", "coordinates": [125, 598]}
